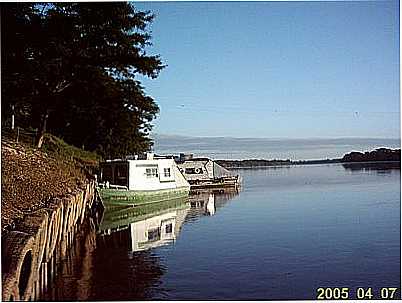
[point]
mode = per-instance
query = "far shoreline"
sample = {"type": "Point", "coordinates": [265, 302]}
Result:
{"type": "Point", "coordinates": [377, 157]}
{"type": "Point", "coordinates": [312, 162]}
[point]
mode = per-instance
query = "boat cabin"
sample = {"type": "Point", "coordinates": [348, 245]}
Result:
{"type": "Point", "coordinates": [141, 174]}
{"type": "Point", "coordinates": [204, 172]}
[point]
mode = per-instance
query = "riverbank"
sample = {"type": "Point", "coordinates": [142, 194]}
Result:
{"type": "Point", "coordinates": [45, 197]}
{"type": "Point", "coordinates": [31, 179]}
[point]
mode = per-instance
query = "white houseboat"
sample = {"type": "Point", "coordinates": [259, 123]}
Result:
{"type": "Point", "coordinates": [206, 173]}
{"type": "Point", "coordinates": [138, 181]}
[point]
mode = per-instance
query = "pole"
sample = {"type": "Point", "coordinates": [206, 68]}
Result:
{"type": "Point", "coordinates": [12, 117]}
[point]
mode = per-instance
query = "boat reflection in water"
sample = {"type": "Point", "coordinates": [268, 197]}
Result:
{"type": "Point", "coordinates": [149, 225]}
{"type": "Point", "coordinates": [119, 259]}
{"type": "Point", "coordinates": [206, 202]}
{"type": "Point", "coordinates": [158, 224]}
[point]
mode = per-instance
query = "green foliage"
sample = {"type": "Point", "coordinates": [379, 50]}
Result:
{"type": "Point", "coordinates": [57, 148]}
{"type": "Point", "coordinates": [71, 67]}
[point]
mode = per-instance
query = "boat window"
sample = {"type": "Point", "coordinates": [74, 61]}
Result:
{"type": "Point", "coordinates": [107, 174]}
{"type": "Point", "coordinates": [169, 228]}
{"type": "Point", "coordinates": [154, 234]}
{"type": "Point", "coordinates": [166, 172]}
{"type": "Point", "coordinates": [151, 172]}
{"type": "Point", "coordinates": [193, 170]}
{"type": "Point", "coordinates": [190, 170]}
{"type": "Point", "coordinates": [115, 173]}
{"type": "Point", "coordinates": [120, 174]}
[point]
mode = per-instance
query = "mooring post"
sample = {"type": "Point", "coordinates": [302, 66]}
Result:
{"type": "Point", "coordinates": [18, 133]}
{"type": "Point", "coordinates": [37, 288]}
{"type": "Point", "coordinates": [51, 269]}
{"type": "Point", "coordinates": [12, 116]}
{"type": "Point", "coordinates": [33, 293]}
{"type": "Point", "coordinates": [44, 276]}
{"type": "Point", "coordinates": [42, 287]}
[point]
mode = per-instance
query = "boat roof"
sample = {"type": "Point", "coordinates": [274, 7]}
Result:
{"type": "Point", "coordinates": [198, 159]}
{"type": "Point", "coordinates": [131, 159]}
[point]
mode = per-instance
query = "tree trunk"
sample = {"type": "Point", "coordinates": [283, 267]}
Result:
{"type": "Point", "coordinates": [42, 130]}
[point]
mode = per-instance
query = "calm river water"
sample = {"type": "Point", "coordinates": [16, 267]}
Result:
{"type": "Point", "coordinates": [288, 232]}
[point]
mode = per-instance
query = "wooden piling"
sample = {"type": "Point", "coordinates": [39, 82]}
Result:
{"type": "Point", "coordinates": [33, 250]}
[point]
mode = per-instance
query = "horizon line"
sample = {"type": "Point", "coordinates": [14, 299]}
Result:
{"type": "Point", "coordinates": [275, 138]}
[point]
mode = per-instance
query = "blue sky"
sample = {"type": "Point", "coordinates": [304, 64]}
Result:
{"type": "Point", "coordinates": [276, 69]}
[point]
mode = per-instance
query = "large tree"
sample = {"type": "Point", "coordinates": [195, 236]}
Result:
{"type": "Point", "coordinates": [71, 69]}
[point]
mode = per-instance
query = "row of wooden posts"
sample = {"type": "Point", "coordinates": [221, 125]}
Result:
{"type": "Point", "coordinates": [33, 248]}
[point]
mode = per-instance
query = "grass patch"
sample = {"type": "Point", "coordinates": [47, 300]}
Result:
{"type": "Point", "coordinates": [57, 148]}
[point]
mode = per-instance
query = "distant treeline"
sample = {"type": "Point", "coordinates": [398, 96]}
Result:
{"type": "Point", "coordinates": [381, 154]}
{"type": "Point", "coordinates": [262, 163]}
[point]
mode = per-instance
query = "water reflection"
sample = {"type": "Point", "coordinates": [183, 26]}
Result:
{"type": "Point", "coordinates": [73, 268]}
{"type": "Point", "coordinates": [120, 274]}
{"type": "Point", "coordinates": [159, 224]}
{"type": "Point", "coordinates": [207, 202]}
{"type": "Point", "coordinates": [115, 256]}
{"type": "Point", "coordinates": [146, 226]}
{"type": "Point", "coordinates": [376, 167]}
{"type": "Point", "coordinates": [129, 267]}
{"type": "Point", "coordinates": [158, 230]}
{"type": "Point", "coordinates": [317, 226]}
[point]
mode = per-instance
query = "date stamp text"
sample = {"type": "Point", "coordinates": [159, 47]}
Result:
{"type": "Point", "coordinates": [360, 293]}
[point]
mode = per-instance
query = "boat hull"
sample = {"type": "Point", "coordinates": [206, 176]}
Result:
{"type": "Point", "coordinates": [139, 197]}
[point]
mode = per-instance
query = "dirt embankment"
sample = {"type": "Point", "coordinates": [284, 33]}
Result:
{"type": "Point", "coordinates": [31, 179]}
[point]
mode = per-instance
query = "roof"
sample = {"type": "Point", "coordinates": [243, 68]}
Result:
{"type": "Point", "coordinates": [198, 159]}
